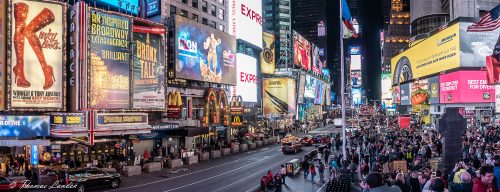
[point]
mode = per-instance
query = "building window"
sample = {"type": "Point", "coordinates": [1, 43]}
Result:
{"type": "Point", "coordinates": [204, 6]}
{"type": "Point", "coordinates": [213, 9]}
{"type": "Point", "coordinates": [184, 13]}
{"type": "Point", "coordinates": [185, 1]}
{"type": "Point", "coordinates": [173, 10]}
{"type": "Point", "coordinates": [213, 24]}
{"type": "Point", "coordinates": [221, 13]}
{"type": "Point", "coordinates": [194, 17]}
{"type": "Point", "coordinates": [194, 3]}
{"type": "Point", "coordinates": [222, 27]}
{"type": "Point", "coordinates": [204, 21]}
{"type": "Point", "coordinates": [221, 1]}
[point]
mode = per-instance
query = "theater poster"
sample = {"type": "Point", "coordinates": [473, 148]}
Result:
{"type": "Point", "coordinates": [36, 53]}
{"type": "Point", "coordinates": [148, 71]}
{"type": "Point", "coordinates": [110, 37]}
{"type": "Point", "coordinates": [279, 96]}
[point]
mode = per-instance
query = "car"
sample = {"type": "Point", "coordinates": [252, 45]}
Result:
{"type": "Point", "coordinates": [307, 140]}
{"type": "Point", "coordinates": [291, 147]}
{"type": "Point", "coordinates": [87, 178]}
{"type": "Point", "coordinates": [7, 184]}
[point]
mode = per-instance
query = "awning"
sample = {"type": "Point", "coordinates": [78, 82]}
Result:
{"type": "Point", "coordinates": [188, 131]}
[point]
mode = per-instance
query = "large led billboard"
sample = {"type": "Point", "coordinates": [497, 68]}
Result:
{"type": "Point", "coordinates": [434, 90]}
{"type": "Point", "coordinates": [354, 50]}
{"type": "Point", "coordinates": [301, 51]}
{"type": "Point", "coordinates": [386, 86]}
{"type": "Point", "coordinates": [356, 80]}
{"type": "Point", "coordinates": [355, 62]}
{"type": "Point", "coordinates": [419, 91]}
{"type": "Point", "coordinates": [126, 6]}
{"type": "Point", "coordinates": [36, 55]}
{"type": "Point", "coordinates": [466, 87]}
{"type": "Point", "coordinates": [302, 87]}
{"type": "Point", "coordinates": [246, 85]}
{"type": "Point", "coordinates": [356, 96]}
{"type": "Point", "coordinates": [404, 90]}
{"type": "Point", "coordinates": [451, 48]}
{"type": "Point", "coordinates": [320, 92]}
{"type": "Point", "coordinates": [204, 53]}
{"type": "Point", "coordinates": [317, 64]}
{"type": "Point", "coordinates": [278, 96]}
{"type": "Point", "coordinates": [245, 20]}
{"type": "Point", "coordinates": [310, 87]}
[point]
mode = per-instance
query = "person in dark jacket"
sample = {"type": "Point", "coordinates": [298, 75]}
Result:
{"type": "Point", "coordinates": [305, 168]}
{"type": "Point", "coordinates": [400, 182]}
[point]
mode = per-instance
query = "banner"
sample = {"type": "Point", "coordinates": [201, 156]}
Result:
{"type": "Point", "coordinates": [67, 119]}
{"type": "Point", "coordinates": [386, 86]}
{"type": "Point", "coordinates": [268, 58]}
{"type": "Point", "coordinates": [466, 87]}
{"type": "Point", "coordinates": [24, 127]}
{"type": "Point", "coordinates": [37, 42]}
{"type": "Point", "coordinates": [310, 87]}
{"type": "Point", "coordinates": [301, 51]}
{"type": "Point", "coordinates": [302, 84]}
{"type": "Point", "coordinates": [434, 90]}
{"type": "Point", "coordinates": [279, 96]}
{"type": "Point", "coordinates": [320, 94]}
{"type": "Point", "coordinates": [405, 94]}
{"type": "Point", "coordinates": [396, 94]}
{"type": "Point", "coordinates": [246, 85]}
{"type": "Point", "coordinates": [356, 96]}
{"type": "Point", "coordinates": [126, 6]}
{"type": "Point", "coordinates": [203, 53]}
{"type": "Point", "coordinates": [356, 80]}
{"type": "Point", "coordinates": [317, 64]}
{"type": "Point", "coordinates": [109, 61]}
{"type": "Point", "coordinates": [121, 118]}
{"type": "Point", "coordinates": [419, 90]}
{"type": "Point", "coordinates": [149, 71]}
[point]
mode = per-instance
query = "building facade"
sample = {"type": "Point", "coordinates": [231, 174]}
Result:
{"type": "Point", "coordinates": [396, 32]}
{"type": "Point", "coordinates": [426, 15]}
{"type": "Point", "coordinates": [277, 19]}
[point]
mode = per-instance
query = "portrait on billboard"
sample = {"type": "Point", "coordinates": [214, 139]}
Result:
{"type": "Point", "coordinates": [148, 71]}
{"type": "Point", "coordinates": [356, 78]}
{"type": "Point", "coordinates": [278, 96]}
{"type": "Point", "coordinates": [36, 62]}
{"type": "Point", "coordinates": [301, 51]}
{"type": "Point", "coordinates": [268, 59]}
{"type": "Point", "coordinates": [317, 64]}
{"type": "Point", "coordinates": [204, 53]}
{"type": "Point", "coordinates": [110, 60]}
{"type": "Point", "coordinates": [310, 87]}
{"type": "Point", "coordinates": [396, 94]}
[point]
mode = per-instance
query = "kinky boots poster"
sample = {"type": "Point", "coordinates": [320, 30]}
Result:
{"type": "Point", "coordinates": [109, 61]}
{"type": "Point", "coordinates": [148, 71]}
{"type": "Point", "coordinates": [37, 55]}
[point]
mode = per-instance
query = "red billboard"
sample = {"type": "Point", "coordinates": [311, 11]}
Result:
{"type": "Point", "coordinates": [466, 87]}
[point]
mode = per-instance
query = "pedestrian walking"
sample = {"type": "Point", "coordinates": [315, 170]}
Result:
{"type": "Point", "coordinates": [305, 168]}
{"type": "Point", "coordinates": [283, 173]}
{"type": "Point", "coordinates": [321, 170]}
{"type": "Point", "coordinates": [312, 169]}
{"type": "Point", "coordinates": [278, 182]}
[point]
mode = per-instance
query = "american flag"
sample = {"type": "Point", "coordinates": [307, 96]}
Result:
{"type": "Point", "coordinates": [488, 22]}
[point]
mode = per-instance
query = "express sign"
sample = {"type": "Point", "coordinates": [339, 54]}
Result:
{"type": "Point", "coordinates": [246, 86]}
{"type": "Point", "coordinates": [245, 20]}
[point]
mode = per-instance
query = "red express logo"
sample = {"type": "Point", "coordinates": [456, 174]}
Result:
{"type": "Point", "coordinates": [246, 11]}
{"type": "Point", "coordinates": [248, 78]}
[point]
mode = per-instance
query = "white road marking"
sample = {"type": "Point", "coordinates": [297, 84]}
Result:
{"type": "Point", "coordinates": [153, 182]}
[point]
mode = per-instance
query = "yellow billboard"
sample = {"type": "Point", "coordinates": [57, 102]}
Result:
{"type": "Point", "coordinates": [278, 96]}
{"type": "Point", "coordinates": [268, 58]}
{"type": "Point", "coordinates": [439, 52]}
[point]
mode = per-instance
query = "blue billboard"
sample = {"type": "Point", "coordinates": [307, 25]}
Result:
{"type": "Point", "coordinates": [24, 126]}
{"type": "Point", "coordinates": [320, 92]}
{"type": "Point", "coordinates": [124, 6]}
{"type": "Point", "coordinates": [356, 96]}
{"type": "Point", "coordinates": [354, 50]}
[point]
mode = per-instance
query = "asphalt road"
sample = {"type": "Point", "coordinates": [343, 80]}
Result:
{"type": "Point", "coordinates": [237, 172]}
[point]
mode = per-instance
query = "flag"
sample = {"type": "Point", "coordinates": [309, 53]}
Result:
{"type": "Point", "coordinates": [493, 64]}
{"type": "Point", "coordinates": [488, 22]}
{"type": "Point", "coordinates": [347, 28]}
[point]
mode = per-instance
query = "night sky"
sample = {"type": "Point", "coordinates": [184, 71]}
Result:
{"type": "Point", "coordinates": [371, 23]}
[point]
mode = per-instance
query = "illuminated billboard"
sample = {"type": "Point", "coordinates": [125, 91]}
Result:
{"type": "Point", "coordinates": [419, 91]}
{"type": "Point", "coordinates": [36, 55]}
{"type": "Point", "coordinates": [278, 96]}
{"type": "Point", "coordinates": [317, 64]}
{"type": "Point", "coordinates": [203, 53]}
{"type": "Point", "coordinates": [268, 59]}
{"type": "Point", "coordinates": [466, 87]}
{"type": "Point", "coordinates": [356, 80]}
{"type": "Point", "coordinates": [356, 96]}
{"type": "Point", "coordinates": [246, 85]}
{"type": "Point", "coordinates": [302, 87]}
{"type": "Point", "coordinates": [386, 86]}
{"type": "Point", "coordinates": [310, 87]}
{"type": "Point", "coordinates": [451, 48]}
{"type": "Point", "coordinates": [355, 62]}
{"type": "Point", "coordinates": [126, 6]}
{"type": "Point", "coordinates": [245, 20]}
{"type": "Point", "coordinates": [301, 51]}
{"type": "Point", "coordinates": [320, 92]}
{"type": "Point", "coordinates": [354, 50]}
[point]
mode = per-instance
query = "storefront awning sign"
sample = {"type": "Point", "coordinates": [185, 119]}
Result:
{"type": "Point", "coordinates": [23, 143]}
{"type": "Point", "coordinates": [165, 126]}
{"type": "Point", "coordinates": [121, 118]}
{"type": "Point", "coordinates": [67, 119]}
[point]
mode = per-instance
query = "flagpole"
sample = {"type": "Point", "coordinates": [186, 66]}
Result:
{"type": "Point", "coordinates": [342, 89]}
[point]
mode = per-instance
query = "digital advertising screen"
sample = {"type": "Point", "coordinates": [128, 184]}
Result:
{"type": "Point", "coordinates": [320, 92]}
{"type": "Point", "coordinates": [466, 87]}
{"type": "Point", "coordinates": [124, 6]}
{"type": "Point", "coordinates": [38, 56]}
{"type": "Point", "coordinates": [148, 71]}
{"type": "Point", "coordinates": [356, 79]}
{"type": "Point", "coordinates": [24, 127]}
{"type": "Point", "coordinates": [301, 51]}
{"type": "Point", "coordinates": [302, 87]}
{"type": "Point", "coordinates": [355, 62]}
{"type": "Point", "coordinates": [354, 50]}
{"type": "Point", "coordinates": [110, 60]}
{"type": "Point", "coordinates": [246, 85]}
{"type": "Point", "coordinates": [245, 21]}
{"type": "Point", "coordinates": [317, 64]}
{"type": "Point", "coordinates": [420, 92]}
{"type": "Point", "coordinates": [356, 96]}
{"type": "Point", "coordinates": [396, 94]}
{"type": "Point", "coordinates": [434, 90]}
{"type": "Point", "coordinates": [386, 86]}
{"type": "Point", "coordinates": [278, 96]}
{"type": "Point", "coordinates": [405, 94]}
{"type": "Point", "coordinates": [310, 87]}
{"type": "Point", "coordinates": [203, 53]}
